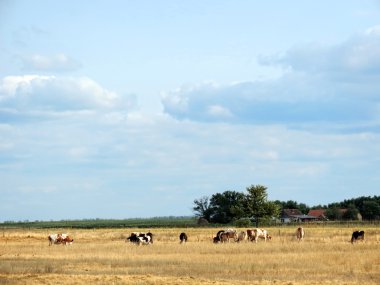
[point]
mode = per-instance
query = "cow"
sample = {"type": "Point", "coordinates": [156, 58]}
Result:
{"type": "Point", "coordinates": [183, 238]}
{"type": "Point", "coordinates": [141, 238]}
{"type": "Point", "coordinates": [242, 236]}
{"type": "Point", "coordinates": [357, 235]}
{"type": "Point", "coordinates": [67, 240]}
{"type": "Point", "coordinates": [250, 235]}
{"type": "Point", "coordinates": [255, 234]}
{"type": "Point", "coordinates": [60, 239]}
{"type": "Point", "coordinates": [224, 237]}
{"type": "Point", "coordinates": [231, 233]}
{"type": "Point", "coordinates": [217, 238]}
{"type": "Point", "coordinates": [300, 233]}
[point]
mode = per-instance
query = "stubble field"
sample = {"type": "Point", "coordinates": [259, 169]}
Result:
{"type": "Point", "coordinates": [102, 256]}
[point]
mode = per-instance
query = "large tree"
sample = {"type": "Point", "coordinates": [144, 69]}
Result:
{"type": "Point", "coordinates": [202, 208]}
{"type": "Point", "coordinates": [333, 213]}
{"type": "Point", "coordinates": [290, 204]}
{"type": "Point", "coordinates": [227, 206]}
{"type": "Point", "coordinates": [258, 206]}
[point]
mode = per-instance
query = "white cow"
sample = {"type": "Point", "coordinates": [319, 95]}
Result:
{"type": "Point", "coordinates": [300, 233]}
{"type": "Point", "coordinates": [260, 233]}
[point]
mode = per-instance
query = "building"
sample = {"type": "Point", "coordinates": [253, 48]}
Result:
{"type": "Point", "coordinates": [294, 216]}
{"type": "Point", "coordinates": [320, 214]}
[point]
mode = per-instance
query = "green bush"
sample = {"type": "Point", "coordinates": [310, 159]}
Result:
{"type": "Point", "coordinates": [241, 223]}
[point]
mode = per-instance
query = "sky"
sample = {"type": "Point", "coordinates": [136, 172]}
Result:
{"type": "Point", "coordinates": [127, 109]}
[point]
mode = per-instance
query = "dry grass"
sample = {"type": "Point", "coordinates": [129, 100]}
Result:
{"type": "Point", "coordinates": [102, 257]}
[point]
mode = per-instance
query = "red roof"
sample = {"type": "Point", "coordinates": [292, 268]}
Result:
{"type": "Point", "coordinates": [317, 213]}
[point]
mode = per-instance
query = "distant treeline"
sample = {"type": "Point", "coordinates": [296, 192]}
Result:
{"type": "Point", "coordinates": [367, 206]}
{"type": "Point", "coordinates": [155, 222]}
{"type": "Point", "coordinates": [253, 206]}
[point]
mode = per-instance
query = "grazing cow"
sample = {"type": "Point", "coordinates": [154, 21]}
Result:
{"type": "Point", "coordinates": [255, 234]}
{"type": "Point", "coordinates": [67, 240]}
{"type": "Point", "coordinates": [225, 235]}
{"type": "Point", "coordinates": [250, 235]}
{"type": "Point", "coordinates": [357, 235]}
{"type": "Point", "coordinates": [183, 238]}
{"type": "Point", "coordinates": [231, 233]}
{"type": "Point", "coordinates": [141, 238]}
{"type": "Point", "coordinates": [242, 236]}
{"type": "Point", "coordinates": [60, 239]}
{"type": "Point", "coordinates": [300, 233]}
{"type": "Point", "coordinates": [217, 238]}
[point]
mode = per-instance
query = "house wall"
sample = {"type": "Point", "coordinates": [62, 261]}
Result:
{"type": "Point", "coordinates": [285, 220]}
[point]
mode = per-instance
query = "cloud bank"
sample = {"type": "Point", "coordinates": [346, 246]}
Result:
{"type": "Point", "coordinates": [330, 84]}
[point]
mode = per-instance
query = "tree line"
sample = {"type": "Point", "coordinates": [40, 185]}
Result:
{"type": "Point", "coordinates": [253, 205]}
{"type": "Point", "coordinates": [368, 207]}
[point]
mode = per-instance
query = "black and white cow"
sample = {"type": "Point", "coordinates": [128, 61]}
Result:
{"type": "Point", "coordinates": [357, 235]}
{"type": "Point", "coordinates": [218, 237]}
{"type": "Point", "coordinates": [141, 238]}
{"type": "Point", "coordinates": [183, 238]}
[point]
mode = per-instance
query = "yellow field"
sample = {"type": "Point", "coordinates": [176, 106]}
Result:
{"type": "Point", "coordinates": [103, 257]}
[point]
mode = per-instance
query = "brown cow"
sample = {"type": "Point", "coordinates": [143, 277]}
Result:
{"type": "Point", "coordinates": [231, 234]}
{"type": "Point", "coordinates": [300, 233]}
{"type": "Point", "coordinates": [224, 237]}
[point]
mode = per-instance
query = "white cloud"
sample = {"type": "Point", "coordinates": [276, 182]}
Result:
{"type": "Point", "coordinates": [359, 54]}
{"type": "Point", "coordinates": [35, 94]}
{"type": "Point", "coordinates": [57, 62]}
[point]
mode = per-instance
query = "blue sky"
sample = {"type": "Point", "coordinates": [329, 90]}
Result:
{"type": "Point", "coordinates": [119, 109]}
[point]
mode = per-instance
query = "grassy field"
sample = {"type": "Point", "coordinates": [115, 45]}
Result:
{"type": "Point", "coordinates": [101, 256]}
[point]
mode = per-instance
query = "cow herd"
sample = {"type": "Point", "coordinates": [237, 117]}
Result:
{"type": "Point", "coordinates": [222, 236]}
{"type": "Point", "coordinates": [227, 235]}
